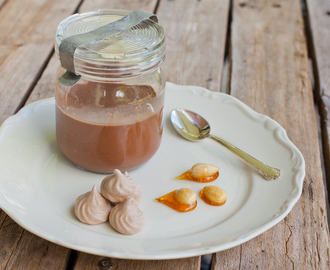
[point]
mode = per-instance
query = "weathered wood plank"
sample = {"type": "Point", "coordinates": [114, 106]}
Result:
{"type": "Point", "coordinates": [36, 253]}
{"type": "Point", "coordinates": [180, 54]}
{"type": "Point", "coordinates": [195, 55]}
{"type": "Point", "coordinates": [195, 41]}
{"type": "Point", "coordinates": [2, 3]}
{"type": "Point", "coordinates": [318, 14]}
{"type": "Point", "coordinates": [2, 217]}
{"type": "Point", "coordinates": [10, 234]}
{"type": "Point", "coordinates": [89, 262]}
{"type": "Point", "coordinates": [148, 5]}
{"type": "Point", "coordinates": [44, 87]}
{"type": "Point", "coordinates": [270, 74]}
{"type": "Point", "coordinates": [26, 40]}
{"type": "Point", "coordinates": [18, 244]}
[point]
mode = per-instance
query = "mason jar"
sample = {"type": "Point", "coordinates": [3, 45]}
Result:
{"type": "Point", "coordinates": [112, 118]}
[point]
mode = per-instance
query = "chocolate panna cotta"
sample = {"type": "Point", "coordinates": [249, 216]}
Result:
{"type": "Point", "coordinates": [111, 115]}
{"type": "Point", "coordinates": [130, 135]}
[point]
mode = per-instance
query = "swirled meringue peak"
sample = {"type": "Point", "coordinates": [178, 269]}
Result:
{"type": "Point", "coordinates": [92, 208]}
{"type": "Point", "coordinates": [119, 187]}
{"type": "Point", "coordinates": [126, 217]}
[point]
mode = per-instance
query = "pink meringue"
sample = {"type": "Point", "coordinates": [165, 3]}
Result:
{"type": "Point", "coordinates": [126, 217]}
{"type": "Point", "coordinates": [92, 208]}
{"type": "Point", "coordinates": [119, 187]}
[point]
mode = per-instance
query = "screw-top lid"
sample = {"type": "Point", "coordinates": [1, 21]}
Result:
{"type": "Point", "coordinates": [126, 53]}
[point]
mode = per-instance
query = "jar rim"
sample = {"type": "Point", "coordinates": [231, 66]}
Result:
{"type": "Point", "coordinates": [127, 53]}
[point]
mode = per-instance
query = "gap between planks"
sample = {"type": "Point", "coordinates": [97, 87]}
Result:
{"type": "Point", "coordinates": [2, 3]}
{"type": "Point", "coordinates": [41, 71]}
{"type": "Point", "coordinates": [295, 235]}
{"type": "Point", "coordinates": [320, 107]}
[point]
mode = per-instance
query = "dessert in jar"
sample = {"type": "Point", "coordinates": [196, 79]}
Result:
{"type": "Point", "coordinates": [112, 117]}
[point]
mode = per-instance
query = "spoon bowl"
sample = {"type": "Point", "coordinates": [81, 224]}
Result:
{"type": "Point", "coordinates": [190, 125]}
{"type": "Point", "coordinates": [194, 127]}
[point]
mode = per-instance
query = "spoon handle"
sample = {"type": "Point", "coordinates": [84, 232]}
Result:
{"type": "Point", "coordinates": [266, 171]}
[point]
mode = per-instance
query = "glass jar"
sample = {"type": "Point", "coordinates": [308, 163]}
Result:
{"type": "Point", "coordinates": [112, 118]}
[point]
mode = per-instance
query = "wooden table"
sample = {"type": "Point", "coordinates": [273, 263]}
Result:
{"type": "Point", "coordinates": [264, 52]}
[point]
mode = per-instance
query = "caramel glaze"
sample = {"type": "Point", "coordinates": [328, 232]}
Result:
{"type": "Point", "coordinates": [188, 176]}
{"type": "Point", "coordinates": [170, 200]}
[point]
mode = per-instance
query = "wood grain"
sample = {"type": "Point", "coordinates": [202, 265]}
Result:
{"type": "Point", "coordinates": [36, 253]}
{"type": "Point", "coordinates": [45, 89]}
{"type": "Point", "coordinates": [26, 40]}
{"type": "Point", "coordinates": [195, 52]}
{"type": "Point", "coordinates": [270, 74]}
{"type": "Point", "coordinates": [89, 262]}
{"type": "Point", "coordinates": [45, 86]}
{"type": "Point", "coordinates": [148, 5]}
{"type": "Point", "coordinates": [10, 234]}
{"type": "Point", "coordinates": [318, 14]}
{"type": "Point", "coordinates": [2, 3]}
{"type": "Point", "coordinates": [195, 41]}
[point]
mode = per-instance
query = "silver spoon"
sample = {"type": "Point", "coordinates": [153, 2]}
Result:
{"type": "Point", "coordinates": [194, 127]}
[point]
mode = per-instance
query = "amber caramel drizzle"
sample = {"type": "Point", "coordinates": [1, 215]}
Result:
{"type": "Point", "coordinates": [187, 176]}
{"type": "Point", "coordinates": [203, 197]}
{"type": "Point", "coordinates": [169, 200]}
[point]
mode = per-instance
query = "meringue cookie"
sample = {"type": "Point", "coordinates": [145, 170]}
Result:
{"type": "Point", "coordinates": [118, 187]}
{"type": "Point", "coordinates": [92, 208]}
{"type": "Point", "coordinates": [137, 195]}
{"type": "Point", "coordinates": [126, 217]}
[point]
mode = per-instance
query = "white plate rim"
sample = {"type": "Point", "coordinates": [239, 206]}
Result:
{"type": "Point", "coordinates": [299, 177]}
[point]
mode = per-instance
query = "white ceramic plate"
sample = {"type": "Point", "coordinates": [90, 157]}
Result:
{"type": "Point", "coordinates": [38, 185]}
